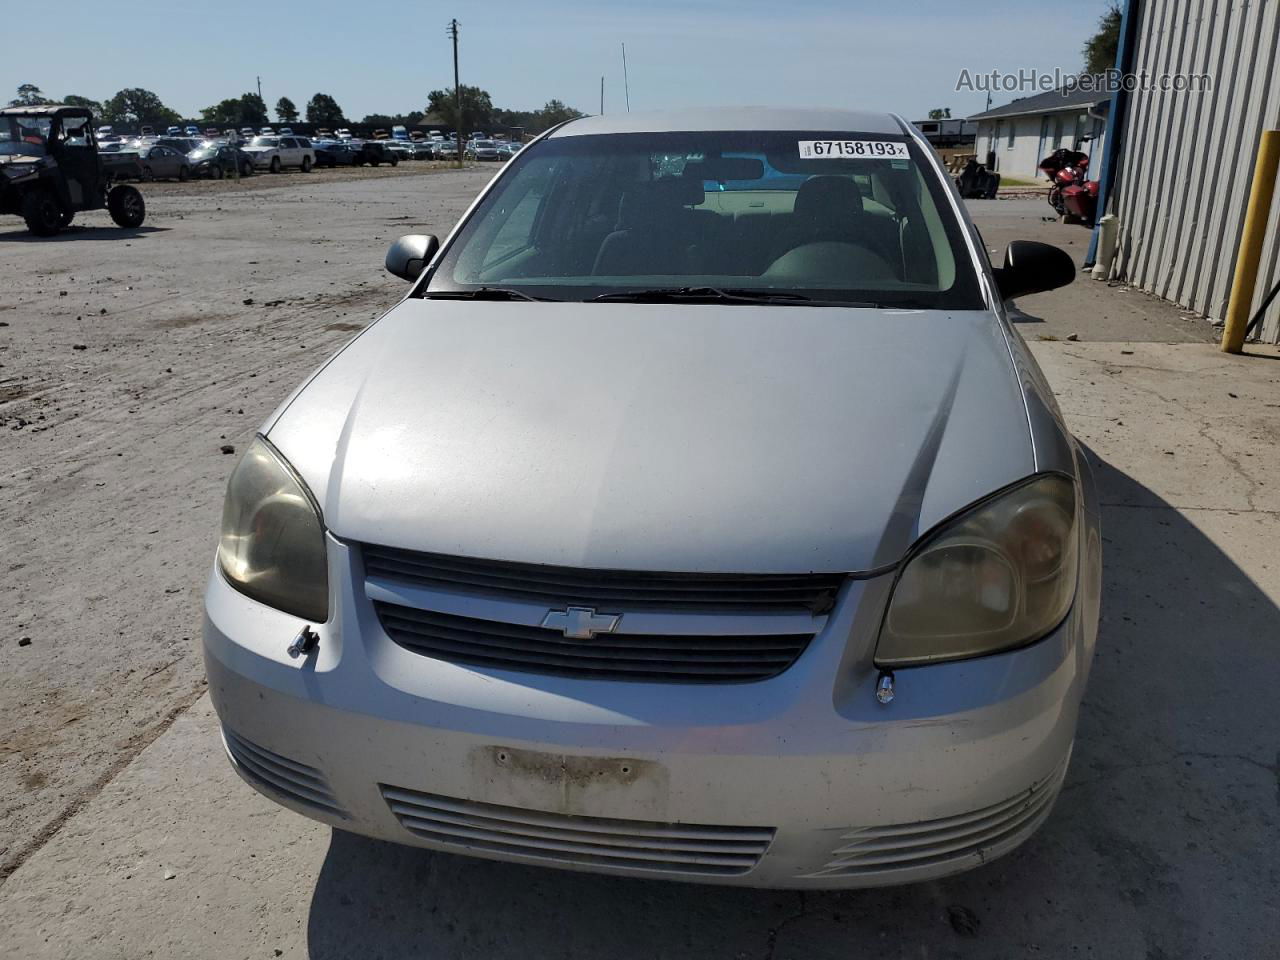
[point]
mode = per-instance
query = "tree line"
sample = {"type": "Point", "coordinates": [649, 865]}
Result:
{"type": "Point", "coordinates": [136, 105]}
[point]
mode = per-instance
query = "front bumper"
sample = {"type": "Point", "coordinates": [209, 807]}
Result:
{"type": "Point", "coordinates": [803, 780]}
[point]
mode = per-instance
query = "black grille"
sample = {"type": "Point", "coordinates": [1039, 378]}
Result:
{"type": "Point", "coordinates": [613, 656]}
{"type": "Point", "coordinates": [559, 586]}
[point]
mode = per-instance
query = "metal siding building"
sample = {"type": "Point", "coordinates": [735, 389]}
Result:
{"type": "Point", "coordinates": [1186, 166]}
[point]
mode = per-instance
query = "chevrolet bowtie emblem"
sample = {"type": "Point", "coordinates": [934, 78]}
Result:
{"type": "Point", "coordinates": [580, 623]}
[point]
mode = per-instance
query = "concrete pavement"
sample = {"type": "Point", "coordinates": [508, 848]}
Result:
{"type": "Point", "coordinates": [1089, 309]}
{"type": "Point", "coordinates": [1165, 843]}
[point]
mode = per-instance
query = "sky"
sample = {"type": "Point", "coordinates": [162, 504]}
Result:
{"type": "Point", "coordinates": [377, 56]}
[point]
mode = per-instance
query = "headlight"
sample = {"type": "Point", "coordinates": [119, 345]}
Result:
{"type": "Point", "coordinates": [1000, 576]}
{"type": "Point", "coordinates": [272, 547]}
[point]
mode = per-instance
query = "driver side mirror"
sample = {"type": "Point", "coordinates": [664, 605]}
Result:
{"type": "Point", "coordinates": [1031, 267]}
{"type": "Point", "coordinates": [409, 256]}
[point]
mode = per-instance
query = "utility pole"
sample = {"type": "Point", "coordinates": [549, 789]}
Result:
{"type": "Point", "coordinates": [602, 96]}
{"type": "Point", "coordinates": [457, 91]}
{"type": "Point", "coordinates": [260, 89]}
{"type": "Point", "coordinates": [626, 84]}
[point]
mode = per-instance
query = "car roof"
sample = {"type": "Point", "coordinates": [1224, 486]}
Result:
{"type": "Point", "coordinates": [734, 118]}
{"type": "Point", "coordinates": [48, 109]}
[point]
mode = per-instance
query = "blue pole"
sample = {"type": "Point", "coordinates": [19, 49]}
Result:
{"type": "Point", "coordinates": [1115, 120]}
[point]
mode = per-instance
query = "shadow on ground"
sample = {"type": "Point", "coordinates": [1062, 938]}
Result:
{"type": "Point", "coordinates": [76, 232]}
{"type": "Point", "coordinates": [1155, 850]}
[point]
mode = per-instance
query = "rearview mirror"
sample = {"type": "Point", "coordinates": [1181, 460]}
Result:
{"type": "Point", "coordinates": [1030, 267]}
{"type": "Point", "coordinates": [409, 256]}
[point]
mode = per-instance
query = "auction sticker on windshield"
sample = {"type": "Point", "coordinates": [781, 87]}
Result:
{"type": "Point", "coordinates": [852, 148]}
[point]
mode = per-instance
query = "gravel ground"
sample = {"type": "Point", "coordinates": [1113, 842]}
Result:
{"type": "Point", "coordinates": [128, 359]}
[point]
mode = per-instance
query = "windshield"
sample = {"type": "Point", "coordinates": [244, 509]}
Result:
{"type": "Point", "coordinates": [265, 142]}
{"type": "Point", "coordinates": [817, 216]}
{"type": "Point", "coordinates": [24, 136]}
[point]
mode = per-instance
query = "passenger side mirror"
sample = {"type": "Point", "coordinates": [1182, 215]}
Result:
{"type": "Point", "coordinates": [1031, 267]}
{"type": "Point", "coordinates": [409, 256]}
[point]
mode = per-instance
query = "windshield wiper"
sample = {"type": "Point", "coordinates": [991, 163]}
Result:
{"type": "Point", "coordinates": [724, 295]}
{"type": "Point", "coordinates": [484, 293]}
{"type": "Point", "coordinates": [673, 294]}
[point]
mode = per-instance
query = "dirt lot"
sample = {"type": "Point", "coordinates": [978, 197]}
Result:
{"type": "Point", "coordinates": [128, 359]}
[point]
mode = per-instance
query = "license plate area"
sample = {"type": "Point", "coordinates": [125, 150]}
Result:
{"type": "Point", "coordinates": [618, 787]}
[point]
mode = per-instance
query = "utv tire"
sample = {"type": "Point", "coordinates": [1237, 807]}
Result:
{"type": "Point", "coordinates": [42, 213]}
{"type": "Point", "coordinates": [275, 165]}
{"type": "Point", "coordinates": [306, 164]}
{"type": "Point", "coordinates": [183, 172]}
{"type": "Point", "coordinates": [126, 207]}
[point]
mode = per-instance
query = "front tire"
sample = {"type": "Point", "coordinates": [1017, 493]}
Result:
{"type": "Point", "coordinates": [216, 172]}
{"type": "Point", "coordinates": [275, 165]}
{"type": "Point", "coordinates": [42, 214]}
{"type": "Point", "coordinates": [126, 206]}
{"type": "Point", "coordinates": [183, 173]}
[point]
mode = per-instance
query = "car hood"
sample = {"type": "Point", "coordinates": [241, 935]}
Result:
{"type": "Point", "coordinates": [678, 438]}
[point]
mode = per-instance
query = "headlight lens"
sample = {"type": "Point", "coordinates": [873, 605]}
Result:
{"type": "Point", "coordinates": [998, 577]}
{"type": "Point", "coordinates": [272, 547]}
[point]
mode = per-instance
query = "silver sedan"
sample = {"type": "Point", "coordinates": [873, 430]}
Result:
{"type": "Point", "coordinates": [164, 163]}
{"type": "Point", "coordinates": [698, 514]}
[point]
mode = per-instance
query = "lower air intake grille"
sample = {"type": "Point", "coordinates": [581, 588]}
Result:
{"type": "Point", "coordinates": [627, 844]}
{"type": "Point", "coordinates": [279, 776]}
{"type": "Point", "coordinates": [612, 656]}
{"type": "Point", "coordinates": [559, 586]}
{"type": "Point", "coordinates": [968, 836]}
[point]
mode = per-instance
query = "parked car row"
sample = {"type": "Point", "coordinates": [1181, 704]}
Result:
{"type": "Point", "coordinates": [180, 153]}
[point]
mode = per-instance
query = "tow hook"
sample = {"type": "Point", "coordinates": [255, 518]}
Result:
{"type": "Point", "coordinates": [884, 687]}
{"type": "Point", "coordinates": [304, 642]}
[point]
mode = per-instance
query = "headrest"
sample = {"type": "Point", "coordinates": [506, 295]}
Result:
{"type": "Point", "coordinates": [828, 196]}
{"type": "Point", "coordinates": [649, 201]}
{"type": "Point", "coordinates": [678, 191]}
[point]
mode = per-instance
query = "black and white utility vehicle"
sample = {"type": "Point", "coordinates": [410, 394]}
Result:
{"type": "Point", "coordinates": [50, 170]}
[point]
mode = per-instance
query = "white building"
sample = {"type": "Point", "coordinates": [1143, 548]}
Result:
{"type": "Point", "coordinates": [1013, 139]}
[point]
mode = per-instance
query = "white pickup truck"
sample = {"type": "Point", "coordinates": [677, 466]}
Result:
{"type": "Point", "coordinates": [275, 153]}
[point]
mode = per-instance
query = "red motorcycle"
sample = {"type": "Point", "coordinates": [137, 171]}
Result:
{"type": "Point", "coordinates": [1072, 193]}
